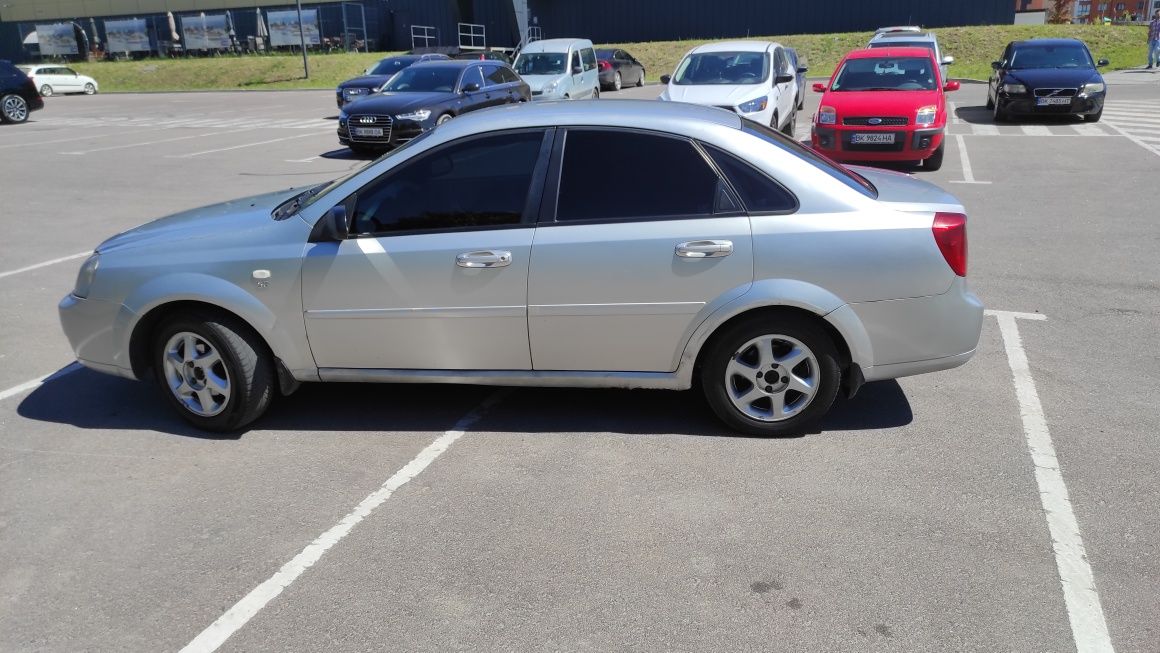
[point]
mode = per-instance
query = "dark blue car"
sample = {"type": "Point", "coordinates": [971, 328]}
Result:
{"type": "Point", "coordinates": [376, 76]}
{"type": "Point", "coordinates": [1047, 76]}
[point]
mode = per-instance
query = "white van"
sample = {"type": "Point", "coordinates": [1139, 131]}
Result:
{"type": "Point", "coordinates": [560, 69]}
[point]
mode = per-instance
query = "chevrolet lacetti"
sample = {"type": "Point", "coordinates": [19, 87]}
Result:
{"type": "Point", "coordinates": [479, 253]}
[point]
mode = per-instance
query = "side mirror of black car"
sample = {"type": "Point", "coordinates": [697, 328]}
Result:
{"type": "Point", "coordinates": [665, 79]}
{"type": "Point", "coordinates": [470, 87]}
{"type": "Point", "coordinates": [783, 79]}
{"type": "Point", "coordinates": [996, 65]}
{"type": "Point", "coordinates": [1102, 62]}
{"type": "Point", "coordinates": [333, 227]}
{"type": "Point", "coordinates": [803, 70]}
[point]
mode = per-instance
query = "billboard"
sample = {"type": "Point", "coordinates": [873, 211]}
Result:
{"type": "Point", "coordinates": [284, 27]}
{"type": "Point", "coordinates": [126, 35]}
{"type": "Point", "coordinates": [205, 32]}
{"type": "Point", "coordinates": [58, 38]}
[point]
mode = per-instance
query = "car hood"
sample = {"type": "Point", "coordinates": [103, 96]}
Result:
{"type": "Point", "coordinates": [390, 103]}
{"type": "Point", "coordinates": [906, 193]}
{"type": "Point", "coordinates": [235, 216]}
{"type": "Point", "coordinates": [880, 103]}
{"type": "Point", "coordinates": [537, 82]}
{"type": "Point", "coordinates": [366, 81]}
{"type": "Point", "coordinates": [716, 94]}
{"type": "Point", "coordinates": [1053, 77]}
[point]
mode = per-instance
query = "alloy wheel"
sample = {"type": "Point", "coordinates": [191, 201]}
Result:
{"type": "Point", "coordinates": [15, 108]}
{"type": "Point", "coordinates": [90, 89]}
{"type": "Point", "coordinates": [772, 378]}
{"type": "Point", "coordinates": [196, 374]}
{"type": "Point", "coordinates": [616, 82]}
{"type": "Point", "coordinates": [46, 90]}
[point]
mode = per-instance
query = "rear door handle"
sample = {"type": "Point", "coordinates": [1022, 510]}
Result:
{"type": "Point", "coordinates": [484, 259]}
{"type": "Point", "coordinates": [705, 249]}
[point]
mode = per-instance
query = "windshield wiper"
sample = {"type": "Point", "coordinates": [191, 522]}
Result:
{"type": "Point", "coordinates": [290, 206]}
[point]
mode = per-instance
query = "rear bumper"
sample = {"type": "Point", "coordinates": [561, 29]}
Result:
{"type": "Point", "coordinates": [910, 144]}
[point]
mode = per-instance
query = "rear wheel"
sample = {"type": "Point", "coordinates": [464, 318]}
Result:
{"type": "Point", "coordinates": [935, 161]}
{"type": "Point", "coordinates": [46, 90]}
{"type": "Point", "coordinates": [998, 114]}
{"type": "Point", "coordinates": [13, 108]}
{"type": "Point", "coordinates": [616, 82]}
{"type": "Point", "coordinates": [771, 375]}
{"type": "Point", "coordinates": [790, 125]}
{"type": "Point", "coordinates": [640, 80]}
{"type": "Point", "coordinates": [990, 102]}
{"type": "Point", "coordinates": [596, 94]}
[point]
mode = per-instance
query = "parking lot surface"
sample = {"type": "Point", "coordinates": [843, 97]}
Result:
{"type": "Point", "coordinates": [564, 519]}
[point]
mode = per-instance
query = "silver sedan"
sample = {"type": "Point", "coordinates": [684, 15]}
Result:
{"type": "Point", "coordinates": [485, 252]}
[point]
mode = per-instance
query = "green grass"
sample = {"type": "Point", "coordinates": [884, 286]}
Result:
{"type": "Point", "coordinates": [972, 47]}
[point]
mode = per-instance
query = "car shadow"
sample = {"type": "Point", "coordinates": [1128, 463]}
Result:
{"type": "Point", "coordinates": [981, 115]}
{"type": "Point", "coordinates": [87, 400]}
{"type": "Point", "coordinates": [347, 154]}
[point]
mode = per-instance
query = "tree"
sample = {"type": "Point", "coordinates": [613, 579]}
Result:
{"type": "Point", "coordinates": [1060, 11]}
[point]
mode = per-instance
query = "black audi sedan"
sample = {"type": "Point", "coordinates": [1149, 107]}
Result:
{"type": "Point", "coordinates": [425, 95]}
{"type": "Point", "coordinates": [377, 75]}
{"type": "Point", "coordinates": [18, 95]}
{"type": "Point", "coordinates": [1047, 77]}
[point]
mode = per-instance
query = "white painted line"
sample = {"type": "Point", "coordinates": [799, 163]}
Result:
{"type": "Point", "coordinates": [955, 119]}
{"type": "Point", "coordinates": [1147, 116]}
{"type": "Point", "coordinates": [36, 383]}
{"type": "Point", "coordinates": [1036, 130]}
{"type": "Point", "coordinates": [1088, 627]}
{"type": "Point", "coordinates": [238, 147]}
{"type": "Point", "coordinates": [164, 140]}
{"type": "Point", "coordinates": [985, 130]}
{"type": "Point", "coordinates": [968, 174]}
{"type": "Point", "coordinates": [1135, 139]}
{"type": "Point", "coordinates": [245, 609]}
{"type": "Point", "coordinates": [72, 139]}
{"type": "Point", "coordinates": [310, 160]}
{"type": "Point", "coordinates": [44, 264]}
{"type": "Point", "coordinates": [1087, 129]}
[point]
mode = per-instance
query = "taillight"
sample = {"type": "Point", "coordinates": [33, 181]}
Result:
{"type": "Point", "coordinates": [604, 65]}
{"type": "Point", "coordinates": [950, 233]}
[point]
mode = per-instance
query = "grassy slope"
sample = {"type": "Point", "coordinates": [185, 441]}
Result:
{"type": "Point", "coordinates": [973, 48]}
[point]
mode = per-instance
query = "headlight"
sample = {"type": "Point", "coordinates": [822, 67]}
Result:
{"type": "Point", "coordinates": [755, 105]}
{"type": "Point", "coordinates": [86, 275]}
{"type": "Point", "coordinates": [420, 115]}
{"type": "Point", "coordinates": [827, 116]}
{"type": "Point", "coordinates": [926, 115]}
{"type": "Point", "coordinates": [1014, 89]}
{"type": "Point", "coordinates": [550, 87]}
{"type": "Point", "coordinates": [1094, 87]}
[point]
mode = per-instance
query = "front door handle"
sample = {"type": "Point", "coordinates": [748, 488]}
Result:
{"type": "Point", "coordinates": [484, 259]}
{"type": "Point", "coordinates": [705, 249]}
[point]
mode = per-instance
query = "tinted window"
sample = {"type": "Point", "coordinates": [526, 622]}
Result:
{"type": "Point", "coordinates": [541, 63]}
{"type": "Point", "coordinates": [1051, 56]}
{"type": "Point", "coordinates": [508, 74]}
{"type": "Point", "coordinates": [723, 68]}
{"type": "Point", "coordinates": [887, 74]}
{"type": "Point", "coordinates": [425, 78]}
{"type": "Point", "coordinates": [391, 66]}
{"type": "Point", "coordinates": [575, 60]}
{"type": "Point", "coordinates": [589, 58]}
{"type": "Point", "coordinates": [670, 177]}
{"type": "Point", "coordinates": [479, 183]}
{"type": "Point", "coordinates": [472, 76]}
{"type": "Point", "coordinates": [494, 75]}
{"type": "Point", "coordinates": [759, 193]}
{"type": "Point", "coordinates": [807, 155]}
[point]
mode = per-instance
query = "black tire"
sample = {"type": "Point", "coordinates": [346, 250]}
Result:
{"type": "Point", "coordinates": [596, 94]}
{"type": "Point", "coordinates": [1095, 117]}
{"type": "Point", "coordinates": [720, 352]}
{"type": "Point", "coordinates": [640, 80]}
{"type": "Point", "coordinates": [990, 102]}
{"type": "Point", "coordinates": [998, 114]}
{"type": "Point", "coordinates": [46, 90]}
{"type": "Point", "coordinates": [790, 125]}
{"type": "Point", "coordinates": [248, 363]}
{"type": "Point", "coordinates": [935, 161]}
{"type": "Point", "coordinates": [13, 109]}
{"type": "Point", "coordinates": [617, 83]}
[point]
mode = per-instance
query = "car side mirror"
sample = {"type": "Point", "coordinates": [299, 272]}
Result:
{"type": "Point", "coordinates": [332, 227]}
{"type": "Point", "coordinates": [952, 85]}
{"type": "Point", "coordinates": [470, 87]}
{"type": "Point", "coordinates": [1102, 62]}
{"type": "Point", "coordinates": [948, 60]}
{"type": "Point", "coordinates": [576, 70]}
{"type": "Point", "coordinates": [803, 70]}
{"type": "Point", "coordinates": [665, 79]}
{"type": "Point", "coordinates": [783, 79]}
{"type": "Point", "coordinates": [819, 87]}
{"type": "Point", "coordinates": [996, 65]}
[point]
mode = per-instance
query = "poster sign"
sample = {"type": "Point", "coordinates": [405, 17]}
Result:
{"type": "Point", "coordinates": [58, 38]}
{"type": "Point", "coordinates": [126, 35]}
{"type": "Point", "coordinates": [284, 27]}
{"type": "Point", "coordinates": [205, 32]}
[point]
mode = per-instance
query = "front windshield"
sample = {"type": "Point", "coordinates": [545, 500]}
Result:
{"type": "Point", "coordinates": [391, 66]}
{"type": "Point", "coordinates": [424, 79]}
{"type": "Point", "coordinates": [1050, 56]}
{"type": "Point", "coordinates": [723, 68]}
{"type": "Point", "coordinates": [886, 74]}
{"type": "Point", "coordinates": [541, 63]}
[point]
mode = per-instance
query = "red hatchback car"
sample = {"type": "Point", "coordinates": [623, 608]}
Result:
{"type": "Point", "coordinates": [885, 104]}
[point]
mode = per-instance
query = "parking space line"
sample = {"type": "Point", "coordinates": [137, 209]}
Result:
{"type": "Point", "coordinates": [72, 139]}
{"type": "Point", "coordinates": [164, 140]}
{"type": "Point", "coordinates": [1036, 130]}
{"type": "Point", "coordinates": [43, 264]}
{"type": "Point", "coordinates": [1088, 626]}
{"type": "Point", "coordinates": [985, 130]}
{"type": "Point", "coordinates": [237, 616]}
{"type": "Point", "coordinates": [238, 147]}
{"type": "Point", "coordinates": [37, 382]}
{"type": "Point", "coordinates": [955, 119]}
{"type": "Point", "coordinates": [968, 174]}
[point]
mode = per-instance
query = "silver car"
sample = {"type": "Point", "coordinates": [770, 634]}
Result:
{"type": "Point", "coordinates": [481, 253]}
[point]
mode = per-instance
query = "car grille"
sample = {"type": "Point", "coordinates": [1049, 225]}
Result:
{"type": "Point", "coordinates": [537, 92]}
{"type": "Point", "coordinates": [1055, 92]}
{"type": "Point", "coordinates": [892, 121]}
{"type": "Point", "coordinates": [356, 121]}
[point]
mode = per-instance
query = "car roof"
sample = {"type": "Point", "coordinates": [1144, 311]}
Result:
{"type": "Point", "coordinates": [898, 28]}
{"type": "Point", "coordinates": [456, 63]}
{"type": "Point", "coordinates": [905, 36]}
{"type": "Point", "coordinates": [1049, 42]}
{"type": "Point", "coordinates": [875, 53]}
{"type": "Point", "coordinates": [555, 45]}
{"type": "Point", "coordinates": [736, 46]}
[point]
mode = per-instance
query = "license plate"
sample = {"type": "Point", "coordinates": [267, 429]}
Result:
{"type": "Point", "coordinates": [368, 131]}
{"type": "Point", "coordinates": [876, 139]}
{"type": "Point", "coordinates": [1050, 101]}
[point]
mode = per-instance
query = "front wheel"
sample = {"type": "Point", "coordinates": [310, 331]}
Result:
{"type": "Point", "coordinates": [935, 161]}
{"type": "Point", "coordinates": [771, 375]}
{"type": "Point", "coordinates": [214, 370]}
{"type": "Point", "coordinates": [442, 119]}
{"type": "Point", "coordinates": [998, 114]}
{"type": "Point", "coordinates": [640, 80]}
{"type": "Point", "coordinates": [90, 89]}
{"type": "Point", "coordinates": [596, 94]}
{"type": "Point", "coordinates": [790, 125]}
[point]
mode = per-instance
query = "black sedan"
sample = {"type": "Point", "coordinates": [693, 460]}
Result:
{"type": "Point", "coordinates": [425, 95]}
{"type": "Point", "coordinates": [618, 68]}
{"type": "Point", "coordinates": [1047, 77]}
{"type": "Point", "coordinates": [18, 94]}
{"type": "Point", "coordinates": [375, 77]}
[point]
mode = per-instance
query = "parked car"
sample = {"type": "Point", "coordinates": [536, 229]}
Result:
{"type": "Point", "coordinates": [483, 55]}
{"type": "Point", "coordinates": [479, 253]}
{"type": "Point", "coordinates": [560, 69]}
{"type": "Point", "coordinates": [18, 94]}
{"type": "Point", "coordinates": [1047, 76]}
{"type": "Point", "coordinates": [425, 95]}
{"type": "Point", "coordinates": [374, 77]}
{"type": "Point", "coordinates": [800, 70]}
{"type": "Point", "coordinates": [911, 37]}
{"type": "Point", "coordinates": [55, 79]}
{"type": "Point", "coordinates": [885, 104]}
{"type": "Point", "coordinates": [751, 78]}
{"type": "Point", "coordinates": [617, 68]}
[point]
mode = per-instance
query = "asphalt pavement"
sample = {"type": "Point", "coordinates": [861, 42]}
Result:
{"type": "Point", "coordinates": [568, 519]}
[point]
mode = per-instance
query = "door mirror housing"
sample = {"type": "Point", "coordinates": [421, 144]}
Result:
{"type": "Point", "coordinates": [783, 79]}
{"type": "Point", "coordinates": [332, 227]}
{"type": "Point", "coordinates": [996, 65]}
{"type": "Point", "coordinates": [819, 87]}
{"type": "Point", "coordinates": [470, 87]}
{"type": "Point", "coordinates": [665, 79]}
{"type": "Point", "coordinates": [948, 60]}
{"type": "Point", "coordinates": [802, 70]}
{"type": "Point", "coordinates": [1102, 62]}
{"type": "Point", "coordinates": [952, 85]}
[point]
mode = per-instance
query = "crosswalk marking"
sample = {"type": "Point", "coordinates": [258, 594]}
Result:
{"type": "Point", "coordinates": [985, 130]}
{"type": "Point", "coordinates": [1036, 130]}
{"type": "Point", "coordinates": [1138, 120]}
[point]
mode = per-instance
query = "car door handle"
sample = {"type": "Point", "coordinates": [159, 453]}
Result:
{"type": "Point", "coordinates": [705, 249]}
{"type": "Point", "coordinates": [484, 259]}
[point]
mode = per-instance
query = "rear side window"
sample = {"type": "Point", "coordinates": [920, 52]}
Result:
{"type": "Point", "coordinates": [472, 76]}
{"type": "Point", "coordinates": [759, 193]}
{"type": "Point", "coordinates": [494, 75]}
{"type": "Point", "coordinates": [508, 75]}
{"type": "Point", "coordinates": [589, 56]}
{"type": "Point", "coordinates": [807, 155]}
{"type": "Point", "coordinates": [670, 177]}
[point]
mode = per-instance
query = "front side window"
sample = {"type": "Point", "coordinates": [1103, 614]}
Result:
{"type": "Point", "coordinates": [886, 74]}
{"type": "Point", "coordinates": [723, 68]}
{"type": "Point", "coordinates": [671, 178]}
{"type": "Point", "coordinates": [495, 76]}
{"type": "Point", "coordinates": [509, 75]}
{"type": "Point", "coordinates": [478, 183]}
{"type": "Point", "coordinates": [589, 56]}
{"type": "Point", "coordinates": [423, 79]}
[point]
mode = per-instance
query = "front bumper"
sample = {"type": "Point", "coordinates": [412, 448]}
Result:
{"type": "Point", "coordinates": [396, 132]}
{"type": "Point", "coordinates": [1025, 105]}
{"type": "Point", "coordinates": [910, 143]}
{"type": "Point", "coordinates": [91, 328]}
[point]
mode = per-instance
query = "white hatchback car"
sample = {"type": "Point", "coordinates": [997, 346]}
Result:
{"type": "Point", "coordinates": [55, 79]}
{"type": "Point", "coordinates": [754, 79]}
